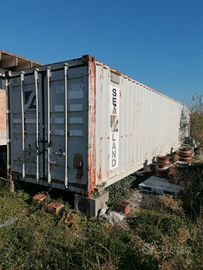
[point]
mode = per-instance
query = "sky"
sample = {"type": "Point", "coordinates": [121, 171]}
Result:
{"type": "Point", "coordinates": [156, 42]}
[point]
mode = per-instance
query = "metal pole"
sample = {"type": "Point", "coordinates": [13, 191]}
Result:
{"type": "Point", "coordinates": [66, 124]}
{"type": "Point", "coordinates": [37, 122]}
{"type": "Point", "coordinates": [23, 124]}
{"type": "Point", "coordinates": [48, 126]}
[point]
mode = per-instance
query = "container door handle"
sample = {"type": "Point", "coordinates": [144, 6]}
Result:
{"type": "Point", "coordinates": [44, 150]}
{"type": "Point", "coordinates": [37, 123]}
{"type": "Point", "coordinates": [23, 123]}
{"type": "Point", "coordinates": [48, 127]}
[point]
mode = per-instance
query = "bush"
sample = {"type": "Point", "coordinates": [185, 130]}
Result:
{"type": "Point", "coordinates": [196, 120]}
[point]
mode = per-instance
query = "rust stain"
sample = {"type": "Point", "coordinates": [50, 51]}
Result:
{"type": "Point", "coordinates": [99, 174]}
{"type": "Point", "coordinates": [108, 138]}
{"type": "Point", "coordinates": [92, 160]}
{"type": "Point", "coordinates": [102, 74]}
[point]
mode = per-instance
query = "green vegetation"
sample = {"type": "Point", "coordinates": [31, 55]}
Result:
{"type": "Point", "coordinates": [196, 119]}
{"type": "Point", "coordinates": [167, 235]}
{"type": "Point", "coordinates": [195, 124]}
{"type": "Point", "coordinates": [120, 189]}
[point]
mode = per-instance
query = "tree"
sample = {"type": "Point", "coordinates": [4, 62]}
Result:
{"type": "Point", "coordinates": [196, 119]}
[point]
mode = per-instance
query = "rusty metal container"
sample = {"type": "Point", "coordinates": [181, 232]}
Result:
{"type": "Point", "coordinates": [78, 124]}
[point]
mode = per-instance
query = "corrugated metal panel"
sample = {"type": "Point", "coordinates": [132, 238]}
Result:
{"type": "Point", "coordinates": [148, 125]}
{"type": "Point", "coordinates": [80, 123]}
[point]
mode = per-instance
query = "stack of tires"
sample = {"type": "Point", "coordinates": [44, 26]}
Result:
{"type": "Point", "coordinates": [185, 153]}
{"type": "Point", "coordinates": [162, 166]}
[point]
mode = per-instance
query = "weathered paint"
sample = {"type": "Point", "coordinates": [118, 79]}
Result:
{"type": "Point", "coordinates": [115, 124]}
{"type": "Point", "coordinates": [91, 124]}
{"type": "Point", "coordinates": [148, 124]}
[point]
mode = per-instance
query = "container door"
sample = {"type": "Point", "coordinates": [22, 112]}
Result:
{"type": "Point", "coordinates": [26, 129]}
{"type": "Point", "coordinates": [65, 114]}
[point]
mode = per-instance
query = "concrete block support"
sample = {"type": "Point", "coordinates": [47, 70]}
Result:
{"type": "Point", "coordinates": [90, 206]}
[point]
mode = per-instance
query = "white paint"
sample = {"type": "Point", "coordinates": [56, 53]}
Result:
{"type": "Point", "coordinates": [114, 127]}
{"type": "Point", "coordinates": [30, 101]}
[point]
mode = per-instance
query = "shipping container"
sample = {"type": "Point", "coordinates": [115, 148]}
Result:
{"type": "Point", "coordinates": [78, 124]}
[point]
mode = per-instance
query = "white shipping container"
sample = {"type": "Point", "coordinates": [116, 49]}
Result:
{"type": "Point", "coordinates": [77, 124]}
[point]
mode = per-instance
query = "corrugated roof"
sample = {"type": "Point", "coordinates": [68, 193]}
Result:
{"type": "Point", "coordinates": [10, 61]}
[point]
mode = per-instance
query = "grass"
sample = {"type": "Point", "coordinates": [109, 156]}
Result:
{"type": "Point", "coordinates": [166, 235]}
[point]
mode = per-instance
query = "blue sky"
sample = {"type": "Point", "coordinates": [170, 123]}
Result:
{"type": "Point", "coordinates": [157, 42]}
